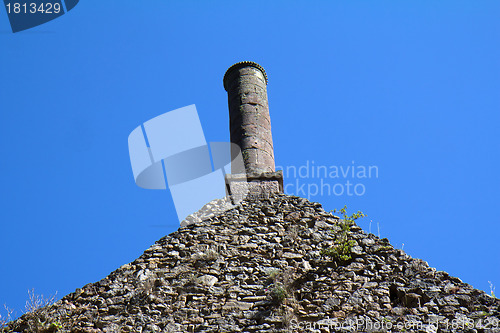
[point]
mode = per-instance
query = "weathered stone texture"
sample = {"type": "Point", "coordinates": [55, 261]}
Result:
{"type": "Point", "coordinates": [250, 123]}
{"type": "Point", "coordinates": [250, 128]}
{"type": "Point", "coordinates": [258, 189]}
{"type": "Point", "coordinates": [258, 268]}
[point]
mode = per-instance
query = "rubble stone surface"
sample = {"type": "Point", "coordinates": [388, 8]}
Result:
{"type": "Point", "coordinates": [258, 268]}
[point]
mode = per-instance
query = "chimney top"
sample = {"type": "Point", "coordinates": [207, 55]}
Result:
{"type": "Point", "coordinates": [241, 64]}
{"type": "Point", "coordinates": [250, 129]}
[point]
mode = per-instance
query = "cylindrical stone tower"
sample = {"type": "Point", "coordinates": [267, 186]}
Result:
{"type": "Point", "coordinates": [249, 120]}
{"type": "Point", "coordinates": [250, 128]}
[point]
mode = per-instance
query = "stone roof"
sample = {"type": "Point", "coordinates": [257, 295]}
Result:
{"type": "Point", "coordinates": [258, 267]}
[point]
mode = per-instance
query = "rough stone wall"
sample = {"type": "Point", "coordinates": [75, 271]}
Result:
{"type": "Point", "coordinates": [258, 268]}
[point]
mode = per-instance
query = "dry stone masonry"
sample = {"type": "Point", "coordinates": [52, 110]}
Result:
{"type": "Point", "coordinates": [250, 128]}
{"type": "Point", "coordinates": [258, 268]}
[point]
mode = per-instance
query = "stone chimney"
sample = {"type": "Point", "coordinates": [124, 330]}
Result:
{"type": "Point", "coordinates": [250, 128]}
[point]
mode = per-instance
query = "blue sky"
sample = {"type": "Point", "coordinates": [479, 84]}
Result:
{"type": "Point", "coordinates": [409, 87]}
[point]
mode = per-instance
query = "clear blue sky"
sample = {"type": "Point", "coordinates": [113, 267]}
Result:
{"type": "Point", "coordinates": [409, 87]}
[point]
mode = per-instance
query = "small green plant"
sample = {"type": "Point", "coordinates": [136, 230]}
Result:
{"type": "Point", "coordinates": [278, 293]}
{"type": "Point", "coordinates": [280, 290]}
{"type": "Point", "coordinates": [55, 326]}
{"type": "Point", "coordinates": [342, 250]}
